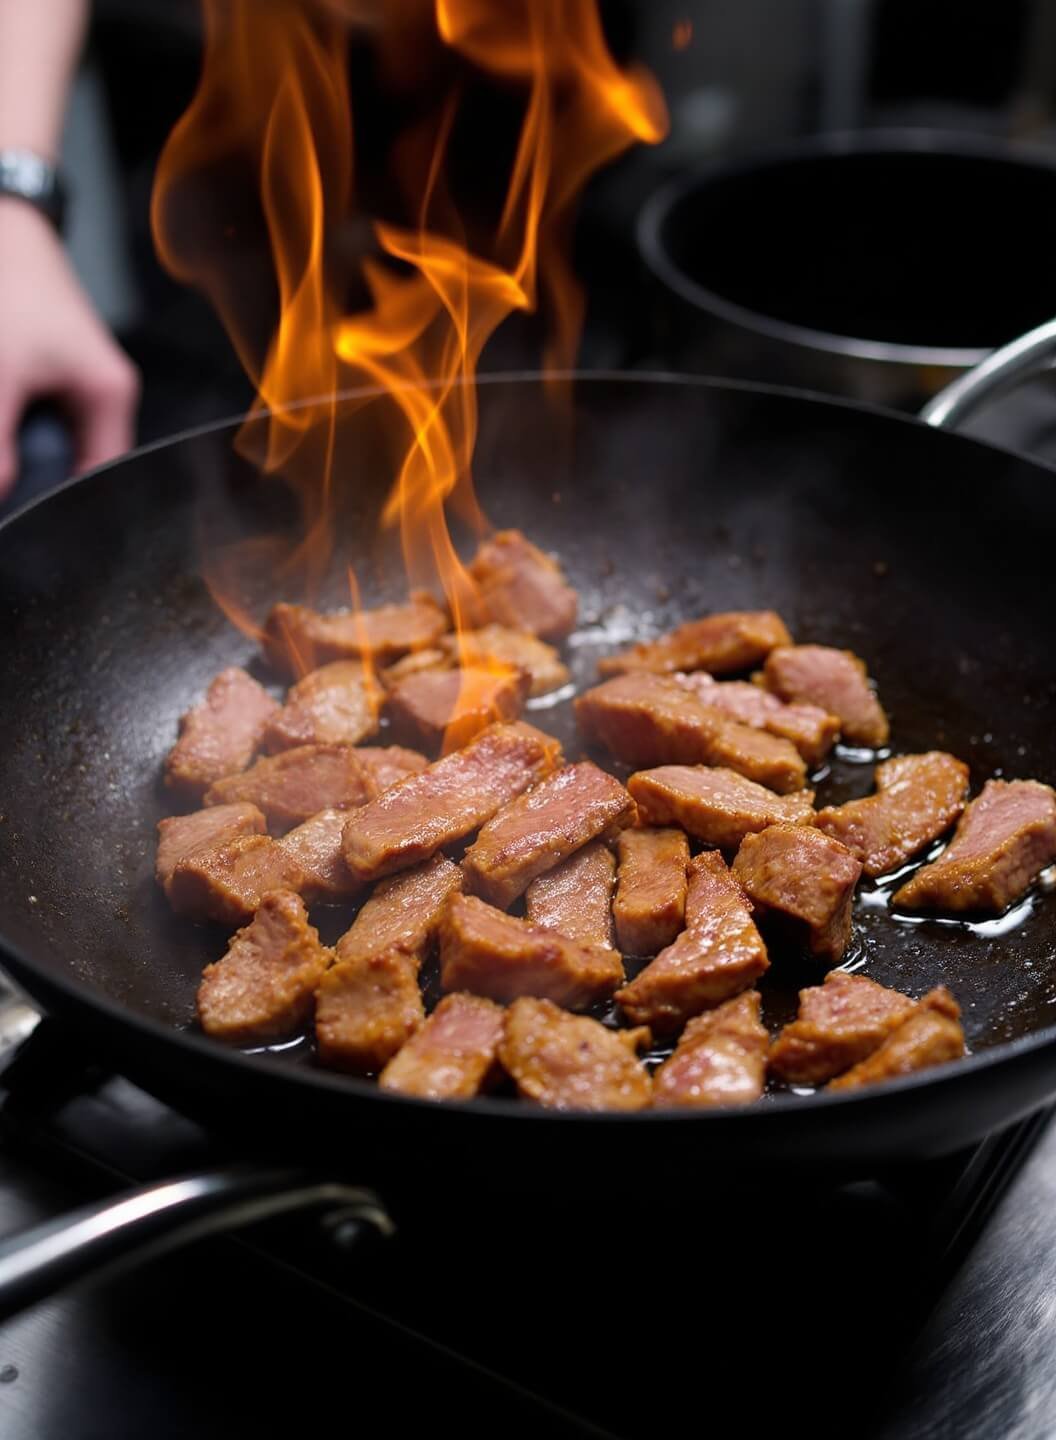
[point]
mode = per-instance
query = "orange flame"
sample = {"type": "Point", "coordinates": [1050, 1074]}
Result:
{"type": "Point", "coordinates": [274, 93]}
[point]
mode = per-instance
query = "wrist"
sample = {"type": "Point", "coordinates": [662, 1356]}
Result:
{"type": "Point", "coordinates": [22, 222]}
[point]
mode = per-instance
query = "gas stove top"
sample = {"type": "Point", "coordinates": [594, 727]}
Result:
{"type": "Point", "coordinates": [917, 1302]}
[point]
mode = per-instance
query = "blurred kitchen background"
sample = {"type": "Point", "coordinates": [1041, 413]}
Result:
{"type": "Point", "coordinates": [738, 76]}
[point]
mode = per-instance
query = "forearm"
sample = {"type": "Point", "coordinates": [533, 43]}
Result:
{"type": "Point", "coordinates": [40, 41]}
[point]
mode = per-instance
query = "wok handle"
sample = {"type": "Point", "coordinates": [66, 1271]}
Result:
{"type": "Point", "coordinates": [37, 1262]}
{"type": "Point", "coordinates": [1017, 360]}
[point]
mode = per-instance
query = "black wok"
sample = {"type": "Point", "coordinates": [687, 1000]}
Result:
{"type": "Point", "coordinates": [928, 553]}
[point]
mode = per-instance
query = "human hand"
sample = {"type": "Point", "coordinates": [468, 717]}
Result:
{"type": "Point", "coordinates": [53, 345]}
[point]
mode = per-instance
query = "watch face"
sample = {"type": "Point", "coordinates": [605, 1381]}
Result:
{"type": "Point", "coordinates": [31, 178]}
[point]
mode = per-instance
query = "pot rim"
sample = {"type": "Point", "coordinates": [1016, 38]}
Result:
{"type": "Point", "coordinates": [831, 145]}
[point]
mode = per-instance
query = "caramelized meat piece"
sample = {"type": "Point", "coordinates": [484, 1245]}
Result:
{"type": "Point", "coordinates": [811, 730]}
{"type": "Point", "coordinates": [366, 1010]}
{"type": "Point", "coordinates": [576, 896]}
{"type": "Point", "coordinates": [839, 1024]}
{"type": "Point", "coordinates": [521, 588]}
{"type": "Point", "coordinates": [805, 880]}
{"type": "Point", "coordinates": [495, 644]}
{"type": "Point", "coordinates": [264, 986]}
{"type": "Point", "coordinates": [650, 905]}
{"type": "Point", "coordinates": [315, 847]}
{"type": "Point", "coordinates": [403, 913]}
{"type": "Point", "coordinates": [297, 784]}
{"type": "Point", "coordinates": [720, 1059]}
{"type": "Point", "coordinates": [453, 1056]}
{"type": "Point", "coordinates": [297, 639]}
{"type": "Point", "coordinates": [1003, 841]}
{"type": "Point", "coordinates": [718, 954]}
{"type": "Point", "coordinates": [917, 798]}
{"type": "Point", "coordinates": [541, 828]}
{"type": "Point", "coordinates": [226, 881]}
{"type": "Point", "coordinates": [490, 953]}
{"type": "Point", "coordinates": [335, 705]}
{"type": "Point", "coordinates": [931, 1035]}
{"type": "Point", "coordinates": [723, 643]}
{"type": "Point", "coordinates": [568, 1062]}
{"type": "Point", "coordinates": [655, 720]}
{"type": "Point", "coordinates": [448, 707]}
{"type": "Point", "coordinates": [836, 680]}
{"type": "Point", "coordinates": [416, 662]}
{"type": "Point", "coordinates": [450, 799]}
{"type": "Point", "coordinates": [218, 737]}
{"type": "Point", "coordinates": [181, 835]}
{"type": "Point", "coordinates": [716, 805]}
{"type": "Point", "coordinates": [372, 1005]}
{"type": "Point", "coordinates": [389, 763]}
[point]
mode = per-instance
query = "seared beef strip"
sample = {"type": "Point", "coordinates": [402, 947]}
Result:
{"type": "Point", "coordinates": [450, 799]}
{"type": "Point", "coordinates": [315, 847]}
{"type": "Point", "coordinates": [335, 705]}
{"type": "Point", "coordinates": [181, 835]}
{"type": "Point", "coordinates": [722, 644]}
{"type": "Point", "coordinates": [542, 827]}
{"type": "Point", "coordinates": [389, 763]}
{"type": "Point", "coordinates": [930, 1035]}
{"type": "Point", "coordinates": [490, 953]}
{"type": "Point", "coordinates": [650, 905]}
{"type": "Point", "coordinates": [297, 784]}
{"type": "Point", "coordinates": [264, 986]}
{"type": "Point", "coordinates": [718, 954]}
{"type": "Point", "coordinates": [811, 730]}
{"type": "Point", "coordinates": [804, 879]}
{"type": "Point", "coordinates": [839, 1023]}
{"type": "Point", "coordinates": [404, 912]}
{"type": "Point", "coordinates": [447, 708]}
{"type": "Point", "coordinates": [1003, 841]}
{"type": "Point", "coordinates": [367, 1008]}
{"type": "Point", "coordinates": [648, 719]}
{"type": "Point", "coordinates": [227, 880]}
{"type": "Point", "coordinates": [837, 681]}
{"type": "Point", "coordinates": [517, 648]}
{"type": "Point", "coordinates": [454, 1054]}
{"type": "Point", "coordinates": [569, 1062]}
{"type": "Point", "coordinates": [716, 805]}
{"type": "Point", "coordinates": [575, 897]}
{"type": "Point", "coordinates": [917, 798]}
{"type": "Point", "coordinates": [372, 1004]}
{"type": "Point", "coordinates": [297, 639]}
{"type": "Point", "coordinates": [520, 587]}
{"type": "Point", "coordinates": [415, 663]}
{"type": "Point", "coordinates": [720, 1059]}
{"type": "Point", "coordinates": [218, 737]}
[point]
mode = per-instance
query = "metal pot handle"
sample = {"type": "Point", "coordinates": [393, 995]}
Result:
{"type": "Point", "coordinates": [35, 1263]}
{"type": "Point", "coordinates": [1016, 361]}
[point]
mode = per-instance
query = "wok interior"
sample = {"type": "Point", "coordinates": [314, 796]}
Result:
{"type": "Point", "coordinates": [664, 499]}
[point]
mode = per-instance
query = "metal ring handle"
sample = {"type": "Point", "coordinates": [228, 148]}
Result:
{"type": "Point", "coordinates": [1017, 360]}
{"type": "Point", "coordinates": [37, 1262]}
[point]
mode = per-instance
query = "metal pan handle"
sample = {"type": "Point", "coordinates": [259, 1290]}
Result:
{"type": "Point", "coordinates": [142, 1223]}
{"type": "Point", "coordinates": [1016, 361]}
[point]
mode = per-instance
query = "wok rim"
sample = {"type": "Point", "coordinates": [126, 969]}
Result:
{"type": "Point", "coordinates": [82, 997]}
{"type": "Point", "coordinates": [833, 144]}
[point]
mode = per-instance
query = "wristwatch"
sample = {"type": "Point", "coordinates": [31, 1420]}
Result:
{"type": "Point", "coordinates": [37, 181]}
